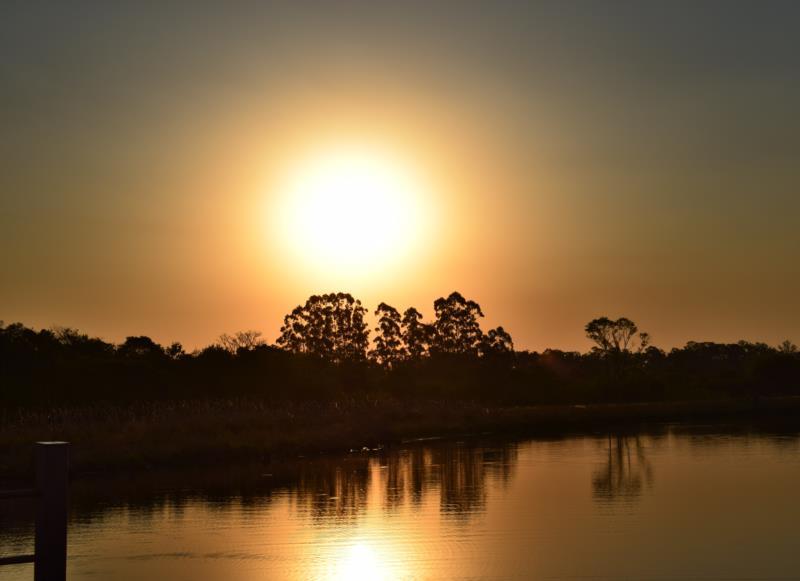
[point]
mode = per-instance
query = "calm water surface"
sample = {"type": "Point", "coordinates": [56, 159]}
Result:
{"type": "Point", "coordinates": [685, 503]}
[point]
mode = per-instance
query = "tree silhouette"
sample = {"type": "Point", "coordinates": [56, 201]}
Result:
{"type": "Point", "coordinates": [416, 335]}
{"type": "Point", "coordinates": [80, 343]}
{"type": "Point", "coordinates": [497, 342]}
{"type": "Point", "coordinates": [245, 340]}
{"type": "Point", "coordinates": [329, 326]}
{"type": "Point", "coordinates": [615, 343]}
{"type": "Point", "coordinates": [457, 328]}
{"type": "Point", "coordinates": [618, 336]}
{"type": "Point", "coordinates": [389, 349]}
{"type": "Point", "coordinates": [175, 351]}
{"type": "Point", "coordinates": [62, 366]}
{"type": "Point", "coordinates": [140, 347]}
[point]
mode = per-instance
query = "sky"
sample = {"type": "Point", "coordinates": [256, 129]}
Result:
{"type": "Point", "coordinates": [566, 160]}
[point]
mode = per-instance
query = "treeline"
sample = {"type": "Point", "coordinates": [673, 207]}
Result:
{"type": "Point", "coordinates": [324, 352]}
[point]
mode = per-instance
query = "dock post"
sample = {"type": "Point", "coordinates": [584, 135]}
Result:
{"type": "Point", "coordinates": [50, 553]}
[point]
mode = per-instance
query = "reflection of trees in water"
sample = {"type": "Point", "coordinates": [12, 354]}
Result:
{"type": "Point", "coordinates": [462, 484]}
{"type": "Point", "coordinates": [626, 472]}
{"type": "Point", "coordinates": [458, 473]}
{"type": "Point", "coordinates": [406, 474]}
{"type": "Point", "coordinates": [333, 490]}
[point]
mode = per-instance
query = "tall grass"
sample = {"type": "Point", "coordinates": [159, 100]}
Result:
{"type": "Point", "coordinates": [209, 431]}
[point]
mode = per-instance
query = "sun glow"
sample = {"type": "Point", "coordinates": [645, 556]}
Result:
{"type": "Point", "coordinates": [361, 562]}
{"type": "Point", "coordinates": [351, 212]}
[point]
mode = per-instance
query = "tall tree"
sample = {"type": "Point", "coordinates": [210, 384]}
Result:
{"type": "Point", "coordinates": [616, 342]}
{"type": "Point", "coordinates": [620, 336]}
{"type": "Point", "coordinates": [389, 349]}
{"type": "Point", "coordinates": [457, 328]}
{"type": "Point", "coordinates": [329, 326]}
{"type": "Point", "coordinates": [416, 335]}
{"type": "Point", "coordinates": [497, 342]}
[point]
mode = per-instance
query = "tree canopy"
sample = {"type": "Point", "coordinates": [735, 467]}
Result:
{"type": "Point", "coordinates": [329, 326]}
{"type": "Point", "coordinates": [389, 347]}
{"type": "Point", "coordinates": [324, 353]}
{"type": "Point", "coordinates": [457, 330]}
{"type": "Point", "coordinates": [618, 336]}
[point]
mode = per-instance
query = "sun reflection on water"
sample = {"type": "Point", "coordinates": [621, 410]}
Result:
{"type": "Point", "coordinates": [362, 562]}
{"type": "Point", "coordinates": [578, 507]}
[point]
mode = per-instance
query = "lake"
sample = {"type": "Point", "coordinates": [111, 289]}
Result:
{"type": "Point", "coordinates": [674, 502]}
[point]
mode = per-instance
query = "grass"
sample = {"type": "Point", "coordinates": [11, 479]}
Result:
{"type": "Point", "coordinates": [204, 432]}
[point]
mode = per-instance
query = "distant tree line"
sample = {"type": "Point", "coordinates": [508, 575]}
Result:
{"type": "Point", "coordinates": [324, 352]}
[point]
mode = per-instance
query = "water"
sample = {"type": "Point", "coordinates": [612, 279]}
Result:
{"type": "Point", "coordinates": [683, 503]}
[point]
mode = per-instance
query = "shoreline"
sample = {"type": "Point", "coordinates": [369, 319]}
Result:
{"type": "Point", "coordinates": [191, 434]}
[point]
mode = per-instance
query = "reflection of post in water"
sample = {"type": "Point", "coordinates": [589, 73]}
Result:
{"type": "Point", "coordinates": [626, 472]}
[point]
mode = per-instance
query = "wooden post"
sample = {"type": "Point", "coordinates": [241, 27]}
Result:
{"type": "Point", "coordinates": [52, 466]}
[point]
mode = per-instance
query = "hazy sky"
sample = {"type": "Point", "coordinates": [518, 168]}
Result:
{"type": "Point", "coordinates": [579, 159]}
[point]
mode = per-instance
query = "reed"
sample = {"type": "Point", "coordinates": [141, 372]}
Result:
{"type": "Point", "coordinates": [210, 431]}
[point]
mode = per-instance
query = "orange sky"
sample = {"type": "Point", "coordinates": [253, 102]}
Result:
{"type": "Point", "coordinates": [572, 163]}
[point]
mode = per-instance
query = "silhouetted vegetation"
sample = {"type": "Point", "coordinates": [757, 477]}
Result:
{"type": "Point", "coordinates": [324, 386]}
{"type": "Point", "coordinates": [323, 354]}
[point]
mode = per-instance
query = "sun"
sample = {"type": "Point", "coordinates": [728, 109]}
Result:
{"type": "Point", "coordinates": [351, 210]}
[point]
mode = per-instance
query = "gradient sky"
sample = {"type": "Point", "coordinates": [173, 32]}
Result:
{"type": "Point", "coordinates": [584, 159]}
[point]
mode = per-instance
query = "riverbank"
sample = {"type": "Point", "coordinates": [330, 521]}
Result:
{"type": "Point", "coordinates": [196, 433]}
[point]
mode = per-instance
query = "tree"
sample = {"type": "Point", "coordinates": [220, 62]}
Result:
{"type": "Point", "coordinates": [389, 349]}
{"type": "Point", "coordinates": [244, 340]}
{"type": "Point", "coordinates": [457, 328]}
{"type": "Point", "coordinates": [497, 342]}
{"type": "Point", "coordinates": [618, 336]}
{"type": "Point", "coordinates": [140, 347]}
{"type": "Point", "coordinates": [69, 337]}
{"type": "Point", "coordinates": [787, 347]}
{"type": "Point", "coordinates": [80, 343]}
{"type": "Point", "coordinates": [329, 326]}
{"type": "Point", "coordinates": [416, 335]}
{"type": "Point", "coordinates": [616, 342]}
{"type": "Point", "coordinates": [175, 351]}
